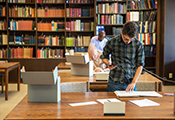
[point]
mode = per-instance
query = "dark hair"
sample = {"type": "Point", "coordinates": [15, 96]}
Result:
{"type": "Point", "coordinates": [130, 29]}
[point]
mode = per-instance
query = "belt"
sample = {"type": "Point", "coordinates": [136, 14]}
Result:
{"type": "Point", "coordinates": [121, 81]}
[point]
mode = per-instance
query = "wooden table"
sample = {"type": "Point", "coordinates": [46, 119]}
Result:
{"type": "Point", "coordinates": [102, 85]}
{"type": "Point", "coordinates": [9, 66]}
{"type": "Point", "coordinates": [63, 65]}
{"type": "Point", "coordinates": [62, 110]}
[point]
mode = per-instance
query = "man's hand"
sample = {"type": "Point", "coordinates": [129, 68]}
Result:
{"type": "Point", "coordinates": [130, 87]}
{"type": "Point", "coordinates": [112, 66]}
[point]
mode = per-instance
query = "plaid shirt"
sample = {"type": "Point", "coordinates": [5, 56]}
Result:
{"type": "Point", "coordinates": [127, 57]}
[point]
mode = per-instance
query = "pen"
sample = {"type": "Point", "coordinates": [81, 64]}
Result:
{"type": "Point", "coordinates": [168, 94]}
{"type": "Point", "coordinates": [108, 100]}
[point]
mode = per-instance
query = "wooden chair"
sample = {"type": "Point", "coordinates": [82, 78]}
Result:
{"type": "Point", "coordinates": [74, 87]}
{"type": "Point", "coordinates": [2, 75]}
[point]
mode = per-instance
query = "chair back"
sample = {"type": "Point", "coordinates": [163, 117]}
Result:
{"type": "Point", "coordinates": [147, 86]}
{"type": "Point", "coordinates": [74, 87]}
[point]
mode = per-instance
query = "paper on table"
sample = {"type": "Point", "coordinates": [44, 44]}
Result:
{"type": "Point", "coordinates": [108, 100]}
{"type": "Point", "coordinates": [83, 103]}
{"type": "Point", "coordinates": [144, 103]}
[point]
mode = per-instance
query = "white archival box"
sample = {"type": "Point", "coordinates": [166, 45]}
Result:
{"type": "Point", "coordinates": [114, 108]}
{"type": "Point", "coordinates": [102, 76]}
{"type": "Point", "coordinates": [42, 86]}
{"type": "Point", "coordinates": [80, 65]}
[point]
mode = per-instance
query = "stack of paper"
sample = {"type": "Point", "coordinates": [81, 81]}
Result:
{"type": "Point", "coordinates": [144, 103]}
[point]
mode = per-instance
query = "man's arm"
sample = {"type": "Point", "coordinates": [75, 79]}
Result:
{"type": "Point", "coordinates": [131, 86]}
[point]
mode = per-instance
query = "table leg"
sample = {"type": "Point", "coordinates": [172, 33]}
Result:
{"type": "Point", "coordinates": [6, 84]}
{"type": "Point", "coordinates": [19, 78]}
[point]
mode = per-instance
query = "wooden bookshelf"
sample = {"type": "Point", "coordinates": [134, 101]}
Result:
{"type": "Point", "coordinates": [152, 62]}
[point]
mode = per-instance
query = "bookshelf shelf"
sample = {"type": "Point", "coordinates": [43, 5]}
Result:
{"type": "Point", "coordinates": [2, 16]}
{"type": "Point", "coordinates": [3, 30]}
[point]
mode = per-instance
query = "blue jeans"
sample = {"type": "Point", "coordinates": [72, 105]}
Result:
{"type": "Point", "coordinates": [117, 86]}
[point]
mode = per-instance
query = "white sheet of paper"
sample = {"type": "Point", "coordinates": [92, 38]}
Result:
{"type": "Point", "coordinates": [83, 103]}
{"type": "Point", "coordinates": [144, 103]}
{"type": "Point", "coordinates": [108, 100]}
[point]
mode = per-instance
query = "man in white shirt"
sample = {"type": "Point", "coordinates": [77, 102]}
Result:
{"type": "Point", "coordinates": [99, 41]}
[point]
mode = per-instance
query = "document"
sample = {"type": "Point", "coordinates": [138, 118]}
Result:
{"type": "Point", "coordinates": [83, 103]}
{"type": "Point", "coordinates": [137, 94]}
{"type": "Point", "coordinates": [108, 100]}
{"type": "Point", "coordinates": [144, 103]}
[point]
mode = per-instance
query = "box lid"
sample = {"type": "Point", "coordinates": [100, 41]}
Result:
{"type": "Point", "coordinates": [40, 77]}
{"type": "Point", "coordinates": [78, 59]}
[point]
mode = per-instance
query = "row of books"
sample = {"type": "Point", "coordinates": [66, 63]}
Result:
{"type": "Point", "coordinates": [3, 39]}
{"type": "Point", "coordinates": [21, 25]}
{"type": "Point", "coordinates": [111, 8]}
{"type": "Point", "coordinates": [116, 30]}
{"type": "Point", "coordinates": [141, 16]}
{"type": "Point", "coordinates": [78, 41]}
{"type": "Point", "coordinates": [3, 53]}
{"type": "Point", "coordinates": [21, 1]}
{"type": "Point", "coordinates": [150, 50]}
{"type": "Point", "coordinates": [99, 28]}
{"type": "Point", "coordinates": [2, 0]}
{"type": "Point", "coordinates": [80, 12]}
{"type": "Point", "coordinates": [50, 12]}
{"type": "Point", "coordinates": [146, 27]}
{"type": "Point", "coordinates": [22, 40]}
{"type": "Point", "coordinates": [110, 19]}
{"type": "Point", "coordinates": [79, 1]}
{"type": "Point", "coordinates": [26, 11]}
{"type": "Point", "coordinates": [2, 11]}
{"type": "Point", "coordinates": [50, 1]}
{"type": "Point", "coordinates": [53, 26]}
{"type": "Point", "coordinates": [24, 52]}
{"type": "Point", "coordinates": [49, 53]}
{"type": "Point", "coordinates": [79, 26]}
{"type": "Point", "coordinates": [142, 4]}
{"type": "Point", "coordinates": [147, 38]}
{"type": "Point", "coordinates": [50, 40]}
{"type": "Point", "coordinates": [3, 25]}
{"type": "Point", "coordinates": [81, 49]}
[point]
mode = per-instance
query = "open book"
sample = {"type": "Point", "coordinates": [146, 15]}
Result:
{"type": "Point", "coordinates": [137, 94]}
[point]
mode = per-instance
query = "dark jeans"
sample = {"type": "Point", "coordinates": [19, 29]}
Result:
{"type": "Point", "coordinates": [113, 86]}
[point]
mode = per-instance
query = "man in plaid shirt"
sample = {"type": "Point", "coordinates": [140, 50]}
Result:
{"type": "Point", "coordinates": [127, 56]}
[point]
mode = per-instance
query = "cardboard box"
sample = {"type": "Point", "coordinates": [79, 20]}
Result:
{"type": "Point", "coordinates": [77, 59]}
{"type": "Point", "coordinates": [43, 86]}
{"type": "Point", "coordinates": [102, 76]}
{"type": "Point", "coordinates": [82, 69]}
